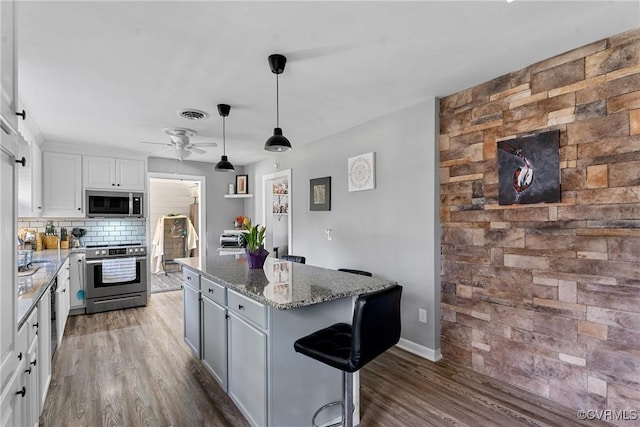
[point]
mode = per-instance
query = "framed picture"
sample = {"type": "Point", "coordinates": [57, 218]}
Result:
{"type": "Point", "coordinates": [320, 194]}
{"type": "Point", "coordinates": [362, 172]}
{"type": "Point", "coordinates": [242, 184]}
{"type": "Point", "coordinates": [529, 169]}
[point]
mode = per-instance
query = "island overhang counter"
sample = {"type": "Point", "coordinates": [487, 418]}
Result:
{"type": "Point", "coordinates": [249, 320]}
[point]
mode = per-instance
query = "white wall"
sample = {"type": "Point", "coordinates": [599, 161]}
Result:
{"type": "Point", "coordinates": [393, 230]}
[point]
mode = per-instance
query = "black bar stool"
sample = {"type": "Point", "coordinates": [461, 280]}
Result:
{"type": "Point", "coordinates": [360, 272]}
{"type": "Point", "coordinates": [375, 328]}
{"type": "Point", "coordinates": [294, 258]}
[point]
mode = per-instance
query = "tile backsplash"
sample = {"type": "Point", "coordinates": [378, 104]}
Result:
{"type": "Point", "coordinates": [99, 230]}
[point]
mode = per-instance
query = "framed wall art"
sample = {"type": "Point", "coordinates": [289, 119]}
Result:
{"type": "Point", "coordinates": [320, 194]}
{"type": "Point", "coordinates": [362, 172]}
{"type": "Point", "coordinates": [529, 169]}
{"type": "Point", "coordinates": [242, 184]}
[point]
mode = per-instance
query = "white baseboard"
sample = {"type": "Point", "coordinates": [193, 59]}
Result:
{"type": "Point", "coordinates": [420, 350]}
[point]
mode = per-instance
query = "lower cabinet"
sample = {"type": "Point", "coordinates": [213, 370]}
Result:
{"type": "Point", "coordinates": [44, 346]}
{"type": "Point", "coordinates": [248, 369]}
{"type": "Point", "coordinates": [192, 318]}
{"type": "Point", "coordinates": [214, 339]}
{"type": "Point", "coordinates": [12, 399]}
{"type": "Point", "coordinates": [62, 300]}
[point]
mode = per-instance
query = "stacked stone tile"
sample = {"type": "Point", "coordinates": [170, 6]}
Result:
{"type": "Point", "coordinates": [547, 296]}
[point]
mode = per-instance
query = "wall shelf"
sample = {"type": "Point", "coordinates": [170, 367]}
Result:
{"type": "Point", "coordinates": [237, 196]}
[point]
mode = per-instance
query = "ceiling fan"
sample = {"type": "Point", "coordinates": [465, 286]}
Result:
{"type": "Point", "coordinates": [181, 143]}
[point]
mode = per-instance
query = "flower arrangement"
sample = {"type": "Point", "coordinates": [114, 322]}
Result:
{"type": "Point", "coordinates": [254, 235]}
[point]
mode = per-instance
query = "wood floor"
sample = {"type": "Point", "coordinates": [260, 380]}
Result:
{"type": "Point", "coordinates": [131, 368]}
{"type": "Point", "coordinates": [171, 282]}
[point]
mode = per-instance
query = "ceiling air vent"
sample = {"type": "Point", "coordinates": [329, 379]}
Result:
{"type": "Point", "coordinates": [192, 114]}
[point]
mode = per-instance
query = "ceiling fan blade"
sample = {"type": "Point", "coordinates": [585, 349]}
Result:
{"type": "Point", "coordinates": [196, 150]}
{"type": "Point", "coordinates": [156, 143]}
{"type": "Point", "coordinates": [205, 144]}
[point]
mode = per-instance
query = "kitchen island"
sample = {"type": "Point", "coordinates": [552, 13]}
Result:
{"type": "Point", "coordinates": [248, 344]}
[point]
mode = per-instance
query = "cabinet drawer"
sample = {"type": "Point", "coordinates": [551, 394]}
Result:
{"type": "Point", "coordinates": [191, 278]}
{"type": "Point", "coordinates": [252, 310]}
{"type": "Point", "coordinates": [213, 291]}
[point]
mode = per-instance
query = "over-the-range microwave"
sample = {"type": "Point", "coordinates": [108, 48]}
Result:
{"type": "Point", "coordinates": [114, 204]}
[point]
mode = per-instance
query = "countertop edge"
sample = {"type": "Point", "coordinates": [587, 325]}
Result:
{"type": "Point", "coordinates": [281, 306]}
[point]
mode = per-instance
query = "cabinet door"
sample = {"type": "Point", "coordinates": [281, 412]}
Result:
{"type": "Point", "coordinates": [8, 303]}
{"type": "Point", "coordinates": [99, 172]}
{"type": "Point", "coordinates": [12, 398]}
{"type": "Point", "coordinates": [62, 185]}
{"type": "Point", "coordinates": [44, 346]}
{"type": "Point", "coordinates": [192, 319]}
{"type": "Point", "coordinates": [63, 303]}
{"type": "Point", "coordinates": [130, 174]}
{"type": "Point", "coordinates": [29, 180]}
{"type": "Point", "coordinates": [214, 340]}
{"type": "Point", "coordinates": [8, 74]}
{"type": "Point", "coordinates": [76, 280]}
{"type": "Point", "coordinates": [248, 369]}
{"type": "Point", "coordinates": [32, 407]}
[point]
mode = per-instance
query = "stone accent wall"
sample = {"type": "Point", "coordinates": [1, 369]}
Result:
{"type": "Point", "coordinates": [547, 296]}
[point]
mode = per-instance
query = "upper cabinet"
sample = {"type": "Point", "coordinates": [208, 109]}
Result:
{"type": "Point", "coordinates": [62, 185]}
{"type": "Point", "coordinates": [8, 64]}
{"type": "Point", "coordinates": [30, 180]}
{"type": "Point", "coordinates": [116, 174]}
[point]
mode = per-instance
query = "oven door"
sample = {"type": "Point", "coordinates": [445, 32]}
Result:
{"type": "Point", "coordinates": [97, 288]}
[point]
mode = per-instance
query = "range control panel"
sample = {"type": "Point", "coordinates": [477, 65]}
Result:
{"type": "Point", "coordinates": [110, 252]}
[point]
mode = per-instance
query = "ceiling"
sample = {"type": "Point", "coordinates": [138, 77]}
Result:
{"type": "Point", "coordinates": [115, 73]}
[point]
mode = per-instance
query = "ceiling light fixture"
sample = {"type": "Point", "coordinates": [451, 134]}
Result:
{"type": "Point", "coordinates": [224, 165]}
{"type": "Point", "coordinates": [277, 142]}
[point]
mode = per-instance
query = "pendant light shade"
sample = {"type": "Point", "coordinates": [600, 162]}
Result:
{"type": "Point", "coordinates": [224, 165]}
{"type": "Point", "coordinates": [277, 142]}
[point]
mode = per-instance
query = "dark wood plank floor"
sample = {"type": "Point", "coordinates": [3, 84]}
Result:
{"type": "Point", "coordinates": [132, 368]}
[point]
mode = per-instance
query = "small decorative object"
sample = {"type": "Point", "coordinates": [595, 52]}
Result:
{"type": "Point", "coordinates": [239, 222]}
{"type": "Point", "coordinates": [254, 236]}
{"type": "Point", "coordinates": [242, 186]}
{"type": "Point", "coordinates": [320, 194]}
{"type": "Point", "coordinates": [78, 233]}
{"type": "Point", "coordinates": [362, 172]}
{"type": "Point", "coordinates": [232, 189]}
{"type": "Point", "coordinates": [529, 169]}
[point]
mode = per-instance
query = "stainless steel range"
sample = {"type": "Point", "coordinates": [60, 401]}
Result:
{"type": "Point", "coordinates": [116, 277]}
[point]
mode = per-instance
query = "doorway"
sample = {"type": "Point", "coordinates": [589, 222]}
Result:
{"type": "Point", "coordinates": [276, 212]}
{"type": "Point", "coordinates": [176, 226]}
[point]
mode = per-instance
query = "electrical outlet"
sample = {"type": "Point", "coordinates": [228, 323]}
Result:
{"type": "Point", "coordinates": [422, 315]}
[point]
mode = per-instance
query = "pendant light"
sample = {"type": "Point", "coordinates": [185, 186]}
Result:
{"type": "Point", "coordinates": [224, 165]}
{"type": "Point", "coordinates": [277, 142]}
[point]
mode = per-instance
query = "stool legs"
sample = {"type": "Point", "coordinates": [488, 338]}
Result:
{"type": "Point", "coordinates": [347, 398]}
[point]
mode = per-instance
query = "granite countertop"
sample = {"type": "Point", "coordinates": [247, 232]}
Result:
{"type": "Point", "coordinates": [31, 286]}
{"type": "Point", "coordinates": [283, 284]}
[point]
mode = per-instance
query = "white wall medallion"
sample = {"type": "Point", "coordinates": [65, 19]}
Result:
{"type": "Point", "coordinates": [362, 172]}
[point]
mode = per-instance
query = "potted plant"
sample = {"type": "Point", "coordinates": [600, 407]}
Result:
{"type": "Point", "coordinates": [254, 236]}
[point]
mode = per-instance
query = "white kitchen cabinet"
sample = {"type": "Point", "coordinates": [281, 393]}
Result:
{"type": "Point", "coordinates": [62, 300]}
{"type": "Point", "coordinates": [76, 280]}
{"type": "Point", "coordinates": [248, 368]}
{"type": "Point", "coordinates": [8, 65]}
{"type": "Point", "coordinates": [214, 338]}
{"type": "Point", "coordinates": [44, 346]}
{"type": "Point", "coordinates": [112, 173]}
{"type": "Point", "coordinates": [62, 185]}
{"type": "Point", "coordinates": [30, 180]}
{"type": "Point", "coordinates": [9, 360]}
{"type": "Point", "coordinates": [12, 398]}
{"type": "Point", "coordinates": [32, 399]}
{"type": "Point", "coordinates": [191, 301]}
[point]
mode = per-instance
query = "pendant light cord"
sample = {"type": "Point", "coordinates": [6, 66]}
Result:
{"type": "Point", "coordinates": [224, 138]}
{"type": "Point", "coordinates": [277, 103]}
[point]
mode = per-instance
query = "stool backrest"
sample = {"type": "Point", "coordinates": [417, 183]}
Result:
{"type": "Point", "coordinates": [376, 325]}
{"type": "Point", "coordinates": [294, 258]}
{"type": "Point", "coordinates": [360, 272]}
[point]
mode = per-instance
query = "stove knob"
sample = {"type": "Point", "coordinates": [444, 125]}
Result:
{"type": "Point", "coordinates": [104, 252]}
{"type": "Point", "coordinates": [97, 252]}
{"type": "Point", "coordinates": [141, 249]}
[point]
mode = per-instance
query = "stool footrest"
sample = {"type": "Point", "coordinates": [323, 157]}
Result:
{"type": "Point", "coordinates": [328, 405]}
